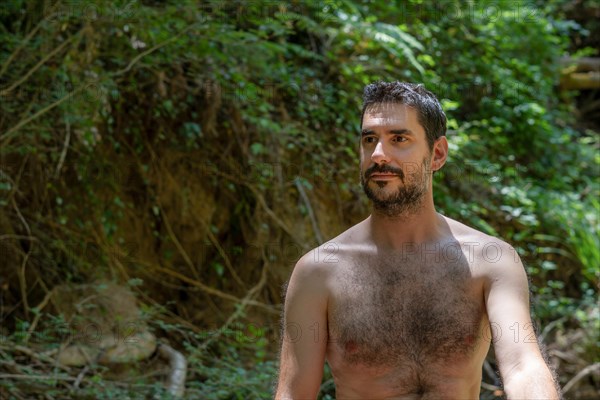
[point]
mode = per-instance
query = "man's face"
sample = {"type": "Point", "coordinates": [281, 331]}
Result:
{"type": "Point", "coordinates": [394, 159]}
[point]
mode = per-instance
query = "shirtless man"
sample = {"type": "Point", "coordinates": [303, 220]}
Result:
{"type": "Point", "coordinates": [405, 304]}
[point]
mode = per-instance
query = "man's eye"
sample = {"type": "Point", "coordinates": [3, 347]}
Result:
{"type": "Point", "coordinates": [400, 139]}
{"type": "Point", "coordinates": [369, 139]}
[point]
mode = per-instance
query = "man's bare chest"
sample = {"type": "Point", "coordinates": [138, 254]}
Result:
{"type": "Point", "coordinates": [386, 312]}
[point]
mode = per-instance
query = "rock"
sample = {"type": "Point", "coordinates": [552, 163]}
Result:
{"type": "Point", "coordinates": [105, 323]}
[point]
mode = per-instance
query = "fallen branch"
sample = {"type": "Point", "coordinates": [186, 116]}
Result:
{"type": "Point", "coordinates": [240, 309]}
{"type": "Point", "coordinates": [496, 390]}
{"type": "Point", "coordinates": [584, 372]}
{"type": "Point", "coordinates": [549, 328]}
{"type": "Point", "coordinates": [21, 271]}
{"type": "Point", "coordinates": [18, 237]}
{"type": "Point", "coordinates": [38, 377]}
{"type": "Point", "coordinates": [40, 357]}
{"type": "Point", "coordinates": [212, 291]}
{"type": "Point", "coordinates": [80, 377]}
{"type": "Point", "coordinates": [36, 319]}
{"type": "Point", "coordinates": [178, 364]}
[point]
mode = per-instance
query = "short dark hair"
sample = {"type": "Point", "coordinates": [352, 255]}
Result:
{"type": "Point", "coordinates": [429, 110]}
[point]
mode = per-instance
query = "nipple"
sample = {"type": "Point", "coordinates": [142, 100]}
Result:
{"type": "Point", "coordinates": [351, 346]}
{"type": "Point", "coordinates": [469, 339]}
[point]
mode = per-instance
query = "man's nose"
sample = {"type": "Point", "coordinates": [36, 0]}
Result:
{"type": "Point", "coordinates": [379, 156]}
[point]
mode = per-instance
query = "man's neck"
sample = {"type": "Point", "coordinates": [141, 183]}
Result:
{"type": "Point", "coordinates": [417, 227]}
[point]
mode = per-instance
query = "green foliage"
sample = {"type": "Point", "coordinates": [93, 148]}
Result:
{"type": "Point", "coordinates": [227, 376]}
{"type": "Point", "coordinates": [228, 363]}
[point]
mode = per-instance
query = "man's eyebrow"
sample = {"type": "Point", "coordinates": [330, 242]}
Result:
{"type": "Point", "coordinates": [401, 132]}
{"type": "Point", "coordinates": [366, 132]}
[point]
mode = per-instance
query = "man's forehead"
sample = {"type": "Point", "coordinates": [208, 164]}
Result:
{"type": "Point", "coordinates": [389, 114]}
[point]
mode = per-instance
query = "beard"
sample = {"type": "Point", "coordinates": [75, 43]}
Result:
{"type": "Point", "coordinates": [408, 197]}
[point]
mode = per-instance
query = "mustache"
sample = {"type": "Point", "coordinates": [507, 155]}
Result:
{"type": "Point", "coordinates": [384, 169]}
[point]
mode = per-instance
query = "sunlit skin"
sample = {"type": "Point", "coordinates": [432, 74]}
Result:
{"type": "Point", "coordinates": [397, 323]}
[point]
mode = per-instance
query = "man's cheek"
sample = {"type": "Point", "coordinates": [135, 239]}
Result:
{"type": "Point", "coordinates": [410, 168]}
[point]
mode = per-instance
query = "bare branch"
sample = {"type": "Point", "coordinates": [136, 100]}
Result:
{"type": "Point", "coordinates": [178, 364]}
{"type": "Point", "coordinates": [36, 67]}
{"type": "Point", "coordinates": [63, 154]}
{"type": "Point", "coordinates": [153, 49]}
{"type": "Point", "coordinates": [12, 131]}
{"type": "Point", "coordinates": [311, 214]}
{"type": "Point", "coordinates": [25, 41]}
{"type": "Point", "coordinates": [581, 374]}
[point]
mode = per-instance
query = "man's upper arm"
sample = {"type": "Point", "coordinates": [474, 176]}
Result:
{"type": "Point", "coordinates": [304, 331]}
{"type": "Point", "coordinates": [514, 337]}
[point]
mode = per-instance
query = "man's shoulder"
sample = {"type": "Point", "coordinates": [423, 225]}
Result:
{"type": "Point", "coordinates": [486, 248]}
{"type": "Point", "coordinates": [331, 253]}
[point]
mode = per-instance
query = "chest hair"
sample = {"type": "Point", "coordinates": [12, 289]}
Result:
{"type": "Point", "coordinates": [391, 312]}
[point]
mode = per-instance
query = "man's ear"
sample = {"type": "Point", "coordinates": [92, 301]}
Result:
{"type": "Point", "coordinates": [439, 153]}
